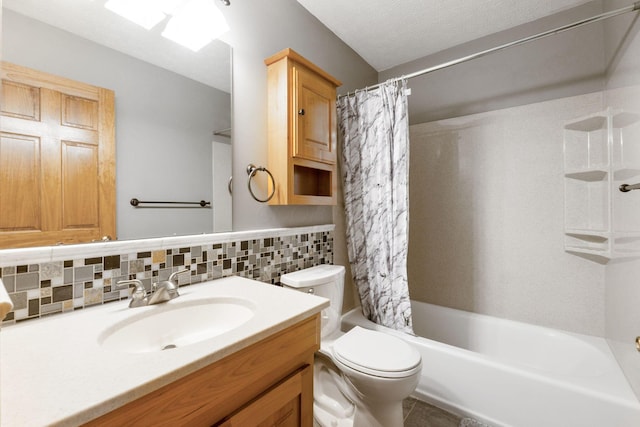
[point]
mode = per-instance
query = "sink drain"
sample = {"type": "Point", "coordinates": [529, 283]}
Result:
{"type": "Point", "coordinates": [169, 346]}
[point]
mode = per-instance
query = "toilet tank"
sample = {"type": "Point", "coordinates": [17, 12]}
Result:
{"type": "Point", "coordinates": [325, 281]}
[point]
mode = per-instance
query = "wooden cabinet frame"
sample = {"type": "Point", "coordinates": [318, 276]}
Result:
{"type": "Point", "coordinates": [277, 370]}
{"type": "Point", "coordinates": [302, 131]}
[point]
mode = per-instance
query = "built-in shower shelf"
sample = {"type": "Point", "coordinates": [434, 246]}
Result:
{"type": "Point", "coordinates": [588, 242]}
{"type": "Point", "coordinates": [624, 119]}
{"type": "Point", "coordinates": [592, 235]}
{"type": "Point", "coordinates": [602, 256]}
{"type": "Point", "coordinates": [587, 250]}
{"type": "Point", "coordinates": [629, 235]}
{"type": "Point", "coordinates": [590, 123]}
{"type": "Point", "coordinates": [590, 175]}
{"type": "Point", "coordinates": [623, 173]}
{"type": "Point", "coordinates": [605, 244]}
{"type": "Point", "coordinates": [602, 152]}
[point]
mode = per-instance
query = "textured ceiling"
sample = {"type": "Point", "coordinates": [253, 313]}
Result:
{"type": "Point", "coordinates": [387, 33]}
{"type": "Point", "coordinates": [90, 20]}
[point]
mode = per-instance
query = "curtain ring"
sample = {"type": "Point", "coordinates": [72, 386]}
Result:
{"type": "Point", "coordinates": [251, 171]}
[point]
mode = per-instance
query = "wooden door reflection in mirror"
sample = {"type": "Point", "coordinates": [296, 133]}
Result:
{"type": "Point", "coordinates": [57, 160]}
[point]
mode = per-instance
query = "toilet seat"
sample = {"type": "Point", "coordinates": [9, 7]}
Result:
{"type": "Point", "coordinates": [375, 353]}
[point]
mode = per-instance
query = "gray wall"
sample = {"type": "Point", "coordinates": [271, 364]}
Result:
{"type": "Point", "coordinates": [487, 217]}
{"type": "Point", "coordinates": [164, 124]}
{"type": "Point", "coordinates": [260, 29]}
{"type": "Point", "coordinates": [622, 287]}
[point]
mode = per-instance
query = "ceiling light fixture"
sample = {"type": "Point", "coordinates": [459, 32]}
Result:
{"type": "Point", "coordinates": [193, 23]}
{"type": "Point", "coordinates": [143, 12]}
{"type": "Point", "coordinates": [196, 24]}
{"type": "Point", "coordinates": [169, 6]}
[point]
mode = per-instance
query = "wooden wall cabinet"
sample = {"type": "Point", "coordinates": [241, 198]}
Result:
{"type": "Point", "coordinates": [302, 132]}
{"type": "Point", "coordinates": [269, 383]}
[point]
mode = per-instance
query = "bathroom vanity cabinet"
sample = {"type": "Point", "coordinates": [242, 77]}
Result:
{"type": "Point", "coordinates": [301, 130]}
{"type": "Point", "coordinates": [268, 383]}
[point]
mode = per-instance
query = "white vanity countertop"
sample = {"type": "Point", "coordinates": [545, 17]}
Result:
{"type": "Point", "coordinates": [55, 372]}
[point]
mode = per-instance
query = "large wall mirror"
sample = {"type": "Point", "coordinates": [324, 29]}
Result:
{"type": "Point", "coordinates": [172, 107]}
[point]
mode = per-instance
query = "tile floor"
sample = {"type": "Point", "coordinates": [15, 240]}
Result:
{"type": "Point", "coordinates": [421, 414]}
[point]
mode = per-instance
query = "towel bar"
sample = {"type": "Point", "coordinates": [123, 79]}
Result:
{"type": "Point", "coordinates": [136, 203]}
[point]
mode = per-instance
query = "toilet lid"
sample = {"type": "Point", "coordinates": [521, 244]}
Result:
{"type": "Point", "coordinates": [376, 353]}
{"type": "Point", "coordinates": [312, 276]}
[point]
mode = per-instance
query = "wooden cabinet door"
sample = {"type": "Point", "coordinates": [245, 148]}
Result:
{"type": "Point", "coordinates": [57, 160]}
{"type": "Point", "coordinates": [288, 404]}
{"type": "Point", "coordinates": [314, 117]}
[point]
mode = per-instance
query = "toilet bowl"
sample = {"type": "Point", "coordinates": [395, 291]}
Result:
{"type": "Point", "coordinates": [361, 376]}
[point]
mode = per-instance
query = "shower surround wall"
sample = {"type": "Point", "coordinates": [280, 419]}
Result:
{"type": "Point", "coordinates": [622, 279]}
{"type": "Point", "coordinates": [48, 280]}
{"type": "Point", "coordinates": [487, 220]}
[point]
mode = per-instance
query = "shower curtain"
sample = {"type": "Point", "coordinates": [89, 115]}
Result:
{"type": "Point", "coordinates": [375, 157]}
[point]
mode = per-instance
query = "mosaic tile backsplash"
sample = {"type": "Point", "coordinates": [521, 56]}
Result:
{"type": "Point", "coordinates": [42, 289]}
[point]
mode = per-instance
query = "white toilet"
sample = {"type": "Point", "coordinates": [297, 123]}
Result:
{"type": "Point", "coordinates": [361, 376]}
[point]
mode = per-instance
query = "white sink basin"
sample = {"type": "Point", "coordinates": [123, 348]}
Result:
{"type": "Point", "coordinates": [175, 324]}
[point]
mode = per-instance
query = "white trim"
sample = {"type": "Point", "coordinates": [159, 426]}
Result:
{"type": "Point", "coordinates": [11, 257]}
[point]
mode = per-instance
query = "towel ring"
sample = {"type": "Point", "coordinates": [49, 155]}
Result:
{"type": "Point", "coordinates": [251, 171]}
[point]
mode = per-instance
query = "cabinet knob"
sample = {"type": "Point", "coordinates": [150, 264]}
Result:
{"type": "Point", "coordinates": [301, 112]}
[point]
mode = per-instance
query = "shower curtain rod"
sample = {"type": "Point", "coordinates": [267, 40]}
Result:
{"type": "Point", "coordinates": [631, 8]}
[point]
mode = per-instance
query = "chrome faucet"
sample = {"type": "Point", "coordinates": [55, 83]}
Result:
{"type": "Point", "coordinates": [167, 290]}
{"type": "Point", "coordinates": [160, 292]}
{"type": "Point", "coordinates": [138, 295]}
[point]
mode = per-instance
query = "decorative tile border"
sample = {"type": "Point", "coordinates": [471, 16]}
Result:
{"type": "Point", "coordinates": [62, 280]}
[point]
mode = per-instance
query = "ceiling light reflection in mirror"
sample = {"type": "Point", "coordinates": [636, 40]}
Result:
{"type": "Point", "coordinates": [193, 23]}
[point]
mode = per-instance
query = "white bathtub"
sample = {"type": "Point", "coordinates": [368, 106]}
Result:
{"type": "Point", "coordinates": [507, 373]}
